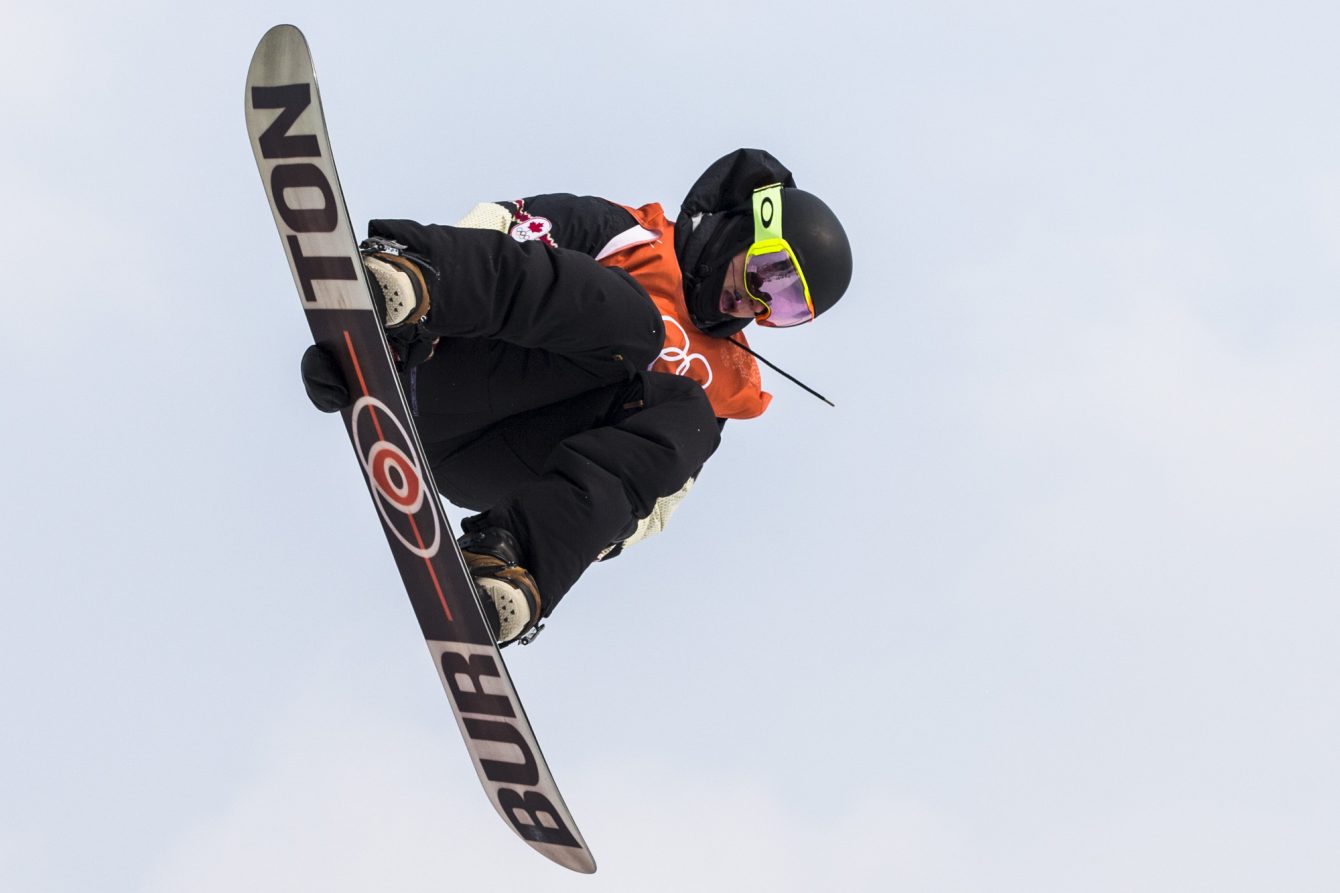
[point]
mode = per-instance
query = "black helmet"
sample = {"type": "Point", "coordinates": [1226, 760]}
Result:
{"type": "Point", "coordinates": [821, 246]}
{"type": "Point", "coordinates": [716, 223]}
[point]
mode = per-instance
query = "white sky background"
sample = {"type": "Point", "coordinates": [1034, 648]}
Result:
{"type": "Point", "coordinates": [1049, 602]}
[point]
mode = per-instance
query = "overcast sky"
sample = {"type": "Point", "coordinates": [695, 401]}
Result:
{"type": "Point", "coordinates": [1047, 603]}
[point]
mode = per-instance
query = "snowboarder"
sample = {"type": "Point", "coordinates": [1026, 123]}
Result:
{"type": "Point", "coordinates": [570, 368]}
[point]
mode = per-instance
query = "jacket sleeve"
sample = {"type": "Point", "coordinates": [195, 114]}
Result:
{"type": "Point", "coordinates": [580, 223]}
{"type": "Point", "coordinates": [484, 284]}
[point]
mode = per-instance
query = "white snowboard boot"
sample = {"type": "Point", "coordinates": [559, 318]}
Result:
{"type": "Point", "coordinates": [398, 286]}
{"type": "Point", "coordinates": [508, 593]}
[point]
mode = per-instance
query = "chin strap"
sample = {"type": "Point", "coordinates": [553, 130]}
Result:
{"type": "Point", "coordinates": [789, 376]}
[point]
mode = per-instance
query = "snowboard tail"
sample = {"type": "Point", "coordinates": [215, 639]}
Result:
{"type": "Point", "coordinates": [292, 149]}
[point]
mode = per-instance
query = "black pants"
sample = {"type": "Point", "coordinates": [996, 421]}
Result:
{"type": "Point", "coordinates": [536, 409]}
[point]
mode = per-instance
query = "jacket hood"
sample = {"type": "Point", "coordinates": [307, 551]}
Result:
{"type": "Point", "coordinates": [715, 223]}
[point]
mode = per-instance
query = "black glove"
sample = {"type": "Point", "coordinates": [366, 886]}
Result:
{"type": "Point", "coordinates": [410, 345]}
{"type": "Point", "coordinates": [324, 381]}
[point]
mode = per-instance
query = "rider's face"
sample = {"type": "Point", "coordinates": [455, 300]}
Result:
{"type": "Point", "coordinates": [734, 300]}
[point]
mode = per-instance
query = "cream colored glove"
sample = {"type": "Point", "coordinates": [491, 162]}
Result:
{"type": "Point", "coordinates": [660, 515]}
{"type": "Point", "coordinates": [487, 215]}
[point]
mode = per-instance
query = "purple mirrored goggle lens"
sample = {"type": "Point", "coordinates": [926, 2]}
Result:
{"type": "Point", "coordinates": [774, 279]}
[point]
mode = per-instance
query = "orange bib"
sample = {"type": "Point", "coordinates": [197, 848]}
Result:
{"type": "Point", "coordinates": [729, 375]}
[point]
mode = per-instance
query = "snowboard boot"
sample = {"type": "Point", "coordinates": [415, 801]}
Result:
{"type": "Point", "coordinates": [507, 591]}
{"type": "Point", "coordinates": [399, 288]}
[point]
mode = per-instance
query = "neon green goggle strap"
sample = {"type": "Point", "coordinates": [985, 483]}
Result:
{"type": "Point", "coordinates": [768, 212]}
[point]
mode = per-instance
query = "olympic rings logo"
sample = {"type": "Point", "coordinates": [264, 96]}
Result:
{"type": "Point", "coordinates": [680, 356]}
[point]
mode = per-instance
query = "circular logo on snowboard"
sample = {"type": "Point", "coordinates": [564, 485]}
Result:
{"type": "Point", "coordinates": [396, 476]}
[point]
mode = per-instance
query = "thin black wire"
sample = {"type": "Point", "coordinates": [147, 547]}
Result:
{"type": "Point", "coordinates": [792, 378]}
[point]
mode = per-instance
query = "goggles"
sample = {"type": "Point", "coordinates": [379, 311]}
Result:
{"type": "Point", "coordinates": [772, 274]}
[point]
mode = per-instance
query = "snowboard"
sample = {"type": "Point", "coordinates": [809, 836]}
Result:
{"type": "Point", "coordinates": [292, 148]}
